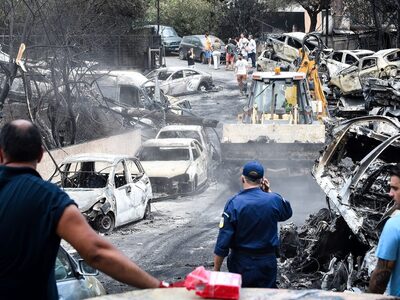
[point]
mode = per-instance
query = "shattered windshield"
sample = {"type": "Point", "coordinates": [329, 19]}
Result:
{"type": "Point", "coordinates": [164, 154]}
{"type": "Point", "coordinates": [87, 174]}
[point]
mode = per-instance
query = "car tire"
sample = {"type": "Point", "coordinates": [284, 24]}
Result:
{"type": "Point", "coordinates": [104, 223]}
{"type": "Point", "coordinates": [147, 211]}
{"type": "Point", "coordinates": [181, 54]}
{"type": "Point", "coordinates": [203, 86]}
{"type": "Point", "coordinates": [194, 187]}
{"type": "Point", "coordinates": [324, 73]}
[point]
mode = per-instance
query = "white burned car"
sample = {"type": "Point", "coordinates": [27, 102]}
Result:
{"type": "Point", "coordinates": [382, 64]}
{"type": "Point", "coordinates": [110, 190]}
{"type": "Point", "coordinates": [175, 166]}
{"type": "Point", "coordinates": [178, 81]}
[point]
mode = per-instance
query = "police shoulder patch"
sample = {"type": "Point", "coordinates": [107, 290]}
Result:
{"type": "Point", "coordinates": [221, 223]}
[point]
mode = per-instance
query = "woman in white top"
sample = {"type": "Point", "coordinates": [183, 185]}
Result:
{"type": "Point", "coordinates": [243, 45]}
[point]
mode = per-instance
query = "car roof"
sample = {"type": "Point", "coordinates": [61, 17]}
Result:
{"type": "Point", "coordinates": [176, 68]}
{"type": "Point", "coordinates": [385, 52]}
{"type": "Point", "coordinates": [296, 35]}
{"type": "Point", "coordinates": [168, 142]}
{"type": "Point", "coordinates": [125, 76]}
{"type": "Point", "coordinates": [357, 52]}
{"type": "Point", "coordinates": [282, 75]}
{"type": "Point", "coordinates": [181, 128]}
{"type": "Point", "coordinates": [104, 157]}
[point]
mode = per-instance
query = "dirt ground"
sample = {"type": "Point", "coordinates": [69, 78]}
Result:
{"type": "Point", "coordinates": [181, 233]}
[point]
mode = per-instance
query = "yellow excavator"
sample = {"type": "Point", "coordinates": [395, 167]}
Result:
{"type": "Point", "coordinates": [282, 123]}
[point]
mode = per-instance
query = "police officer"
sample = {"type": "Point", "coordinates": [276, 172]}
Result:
{"type": "Point", "coordinates": [249, 228]}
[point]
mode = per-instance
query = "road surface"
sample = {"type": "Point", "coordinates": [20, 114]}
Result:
{"type": "Point", "coordinates": [181, 233]}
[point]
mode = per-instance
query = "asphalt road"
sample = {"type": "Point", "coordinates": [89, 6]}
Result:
{"type": "Point", "coordinates": [181, 233]}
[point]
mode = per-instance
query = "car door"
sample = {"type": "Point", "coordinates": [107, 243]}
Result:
{"type": "Point", "coordinates": [198, 48]}
{"type": "Point", "coordinates": [368, 68]}
{"type": "Point", "coordinates": [335, 63]}
{"type": "Point", "coordinates": [140, 186]}
{"type": "Point", "coordinates": [192, 80]}
{"type": "Point", "coordinates": [177, 83]}
{"type": "Point", "coordinates": [291, 49]}
{"type": "Point", "coordinates": [124, 194]}
{"type": "Point", "coordinates": [200, 157]}
{"type": "Point", "coordinates": [349, 81]}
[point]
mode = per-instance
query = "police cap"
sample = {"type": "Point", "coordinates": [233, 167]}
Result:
{"type": "Point", "coordinates": [253, 170]}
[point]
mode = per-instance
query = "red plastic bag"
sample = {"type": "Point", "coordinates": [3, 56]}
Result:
{"type": "Point", "coordinates": [217, 285]}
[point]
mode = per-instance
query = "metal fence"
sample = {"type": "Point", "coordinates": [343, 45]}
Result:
{"type": "Point", "coordinates": [137, 50]}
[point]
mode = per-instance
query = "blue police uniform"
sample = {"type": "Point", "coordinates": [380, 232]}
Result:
{"type": "Point", "coordinates": [249, 227]}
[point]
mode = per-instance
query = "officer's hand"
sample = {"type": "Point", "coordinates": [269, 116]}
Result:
{"type": "Point", "coordinates": [265, 185]}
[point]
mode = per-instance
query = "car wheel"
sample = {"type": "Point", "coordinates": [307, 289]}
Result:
{"type": "Point", "coordinates": [104, 223]}
{"type": "Point", "coordinates": [203, 87]}
{"type": "Point", "coordinates": [324, 73]}
{"type": "Point", "coordinates": [147, 211]}
{"type": "Point", "coordinates": [181, 54]}
{"type": "Point", "coordinates": [194, 187]}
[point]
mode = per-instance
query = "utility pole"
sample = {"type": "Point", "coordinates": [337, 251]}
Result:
{"type": "Point", "coordinates": [326, 22]}
{"type": "Point", "coordinates": [158, 17]}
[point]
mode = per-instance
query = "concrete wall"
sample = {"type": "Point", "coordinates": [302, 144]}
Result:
{"type": "Point", "coordinates": [127, 143]}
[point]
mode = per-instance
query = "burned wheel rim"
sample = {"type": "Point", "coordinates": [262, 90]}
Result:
{"type": "Point", "coordinates": [203, 87]}
{"type": "Point", "coordinates": [147, 211]}
{"type": "Point", "coordinates": [105, 223]}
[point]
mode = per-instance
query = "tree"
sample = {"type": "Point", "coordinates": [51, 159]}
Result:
{"type": "Point", "coordinates": [313, 8]}
{"type": "Point", "coordinates": [186, 16]}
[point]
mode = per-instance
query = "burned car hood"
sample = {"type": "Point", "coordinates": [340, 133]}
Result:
{"type": "Point", "coordinates": [85, 198]}
{"type": "Point", "coordinates": [167, 169]}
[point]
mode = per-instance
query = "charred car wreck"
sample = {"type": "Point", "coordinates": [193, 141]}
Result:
{"type": "Point", "coordinates": [335, 249]}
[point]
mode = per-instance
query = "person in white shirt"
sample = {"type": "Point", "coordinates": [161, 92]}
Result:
{"type": "Point", "coordinates": [241, 72]}
{"type": "Point", "coordinates": [243, 45]}
{"type": "Point", "coordinates": [252, 51]}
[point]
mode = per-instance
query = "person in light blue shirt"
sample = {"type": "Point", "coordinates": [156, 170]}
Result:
{"type": "Point", "coordinates": [387, 271]}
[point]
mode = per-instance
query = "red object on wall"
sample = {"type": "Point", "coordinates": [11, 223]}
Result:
{"type": "Point", "coordinates": [217, 285]}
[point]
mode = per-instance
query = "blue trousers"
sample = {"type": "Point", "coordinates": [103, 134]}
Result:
{"type": "Point", "coordinates": [257, 271]}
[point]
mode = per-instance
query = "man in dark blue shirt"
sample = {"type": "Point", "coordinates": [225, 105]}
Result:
{"type": "Point", "coordinates": [249, 228]}
{"type": "Point", "coordinates": [35, 215]}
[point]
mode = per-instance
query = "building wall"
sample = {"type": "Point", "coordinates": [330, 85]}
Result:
{"type": "Point", "coordinates": [127, 143]}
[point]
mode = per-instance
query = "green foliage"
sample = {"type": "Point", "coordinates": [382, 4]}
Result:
{"type": "Point", "coordinates": [186, 16]}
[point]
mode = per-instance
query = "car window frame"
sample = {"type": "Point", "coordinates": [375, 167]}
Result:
{"type": "Point", "coordinates": [125, 174]}
{"type": "Point", "coordinates": [72, 265]}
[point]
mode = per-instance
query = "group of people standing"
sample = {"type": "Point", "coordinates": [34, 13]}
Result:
{"type": "Point", "coordinates": [246, 47]}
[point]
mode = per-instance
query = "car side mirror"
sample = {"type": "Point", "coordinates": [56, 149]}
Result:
{"type": "Point", "coordinates": [86, 270]}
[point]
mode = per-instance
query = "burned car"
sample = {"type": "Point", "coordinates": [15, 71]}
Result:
{"type": "Point", "coordinates": [174, 165]}
{"type": "Point", "coordinates": [178, 81]}
{"type": "Point", "coordinates": [286, 46]}
{"type": "Point", "coordinates": [341, 59]}
{"type": "Point", "coordinates": [110, 190]}
{"type": "Point", "coordinates": [75, 279]}
{"type": "Point", "coordinates": [383, 64]}
{"type": "Point", "coordinates": [335, 249]}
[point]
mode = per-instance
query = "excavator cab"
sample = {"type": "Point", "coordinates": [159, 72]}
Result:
{"type": "Point", "coordinates": [279, 98]}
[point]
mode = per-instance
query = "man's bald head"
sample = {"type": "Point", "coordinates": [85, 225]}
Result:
{"type": "Point", "coordinates": [20, 141]}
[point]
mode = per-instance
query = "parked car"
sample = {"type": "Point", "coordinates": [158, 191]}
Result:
{"type": "Point", "coordinates": [265, 63]}
{"type": "Point", "coordinates": [341, 59]}
{"type": "Point", "coordinates": [198, 43]}
{"type": "Point", "coordinates": [75, 280]}
{"type": "Point", "coordinates": [169, 38]}
{"type": "Point", "coordinates": [382, 64]}
{"type": "Point", "coordinates": [286, 46]}
{"type": "Point", "coordinates": [175, 166]}
{"type": "Point", "coordinates": [110, 190]}
{"type": "Point", "coordinates": [177, 80]}
{"type": "Point", "coordinates": [189, 132]}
